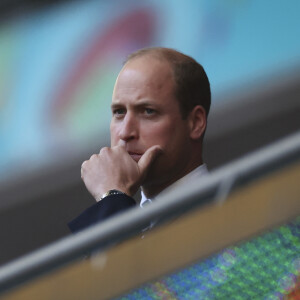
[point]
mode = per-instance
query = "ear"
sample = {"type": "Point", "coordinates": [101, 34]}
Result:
{"type": "Point", "coordinates": [197, 122]}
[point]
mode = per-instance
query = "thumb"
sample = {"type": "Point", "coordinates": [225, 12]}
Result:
{"type": "Point", "coordinates": [148, 159]}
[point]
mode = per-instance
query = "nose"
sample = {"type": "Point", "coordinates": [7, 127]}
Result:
{"type": "Point", "coordinates": [129, 128]}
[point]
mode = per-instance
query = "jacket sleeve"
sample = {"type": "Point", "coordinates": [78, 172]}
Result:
{"type": "Point", "coordinates": [101, 210]}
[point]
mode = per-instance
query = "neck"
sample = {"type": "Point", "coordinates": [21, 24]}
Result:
{"type": "Point", "coordinates": [153, 189]}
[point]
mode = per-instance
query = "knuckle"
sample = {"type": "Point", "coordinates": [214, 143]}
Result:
{"type": "Point", "coordinates": [83, 164]}
{"type": "Point", "coordinates": [104, 150]}
{"type": "Point", "coordinates": [94, 156]}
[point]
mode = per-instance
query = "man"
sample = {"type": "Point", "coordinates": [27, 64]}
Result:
{"type": "Point", "coordinates": [160, 104]}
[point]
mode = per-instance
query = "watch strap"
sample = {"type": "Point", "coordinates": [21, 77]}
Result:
{"type": "Point", "coordinates": [111, 192]}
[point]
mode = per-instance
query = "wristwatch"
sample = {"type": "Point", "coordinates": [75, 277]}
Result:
{"type": "Point", "coordinates": [111, 192]}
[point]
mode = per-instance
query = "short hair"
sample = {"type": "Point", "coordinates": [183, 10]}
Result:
{"type": "Point", "coordinates": [192, 84]}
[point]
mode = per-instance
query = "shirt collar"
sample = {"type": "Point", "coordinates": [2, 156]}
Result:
{"type": "Point", "coordinates": [193, 175]}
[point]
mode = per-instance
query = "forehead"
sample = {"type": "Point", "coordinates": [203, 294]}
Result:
{"type": "Point", "coordinates": [145, 75]}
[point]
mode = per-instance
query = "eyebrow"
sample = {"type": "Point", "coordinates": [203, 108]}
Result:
{"type": "Point", "coordinates": [138, 104]}
{"type": "Point", "coordinates": [115, 105]}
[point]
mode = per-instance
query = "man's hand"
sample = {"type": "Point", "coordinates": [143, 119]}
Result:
{"type": "Point", "coordinates": [113, 168]}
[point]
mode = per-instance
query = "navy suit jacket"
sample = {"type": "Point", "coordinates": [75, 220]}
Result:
{"type": "Point", "coordinates": [101, 210]}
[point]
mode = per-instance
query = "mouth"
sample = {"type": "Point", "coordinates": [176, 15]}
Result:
{"type": "Point", "coordinates": [135, 156]}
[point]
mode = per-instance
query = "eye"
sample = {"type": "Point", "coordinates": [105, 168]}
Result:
{"type": "Point", "coordinates": [149, 111]}
{"type": "Point", "coordinates": [119, 111]}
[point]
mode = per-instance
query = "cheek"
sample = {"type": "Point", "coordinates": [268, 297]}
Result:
{"type": "Point", "coordinates": [113, 135]}
{"type": "Point", "coordinates": [157, 135]}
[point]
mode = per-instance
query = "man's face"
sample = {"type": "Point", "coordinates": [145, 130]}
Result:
{"type": "Point", "coordinates": [145, 112]}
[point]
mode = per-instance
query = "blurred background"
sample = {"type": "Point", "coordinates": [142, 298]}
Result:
{"type": "Point", "coordinates": [58, 63]}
